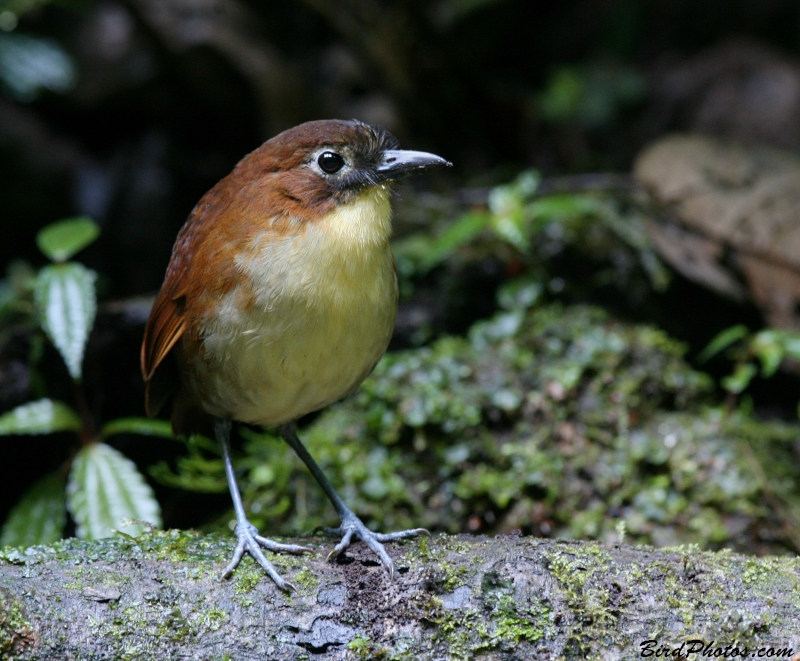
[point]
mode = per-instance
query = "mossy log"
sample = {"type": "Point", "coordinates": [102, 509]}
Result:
{"type": "Point", "coordinates": [513, 597]}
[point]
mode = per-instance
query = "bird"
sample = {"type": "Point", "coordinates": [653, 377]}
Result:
{"type": "Point", "coordinates": [279, 299]}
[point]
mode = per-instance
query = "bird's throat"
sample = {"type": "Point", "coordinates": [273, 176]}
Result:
{"type": "Point", "coordinates": [345, 255]}
{"type": "Point", "coordinates": [361, 224]}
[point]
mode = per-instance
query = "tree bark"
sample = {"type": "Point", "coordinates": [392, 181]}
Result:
{"type": "Point", "coordinates": [159, 597]}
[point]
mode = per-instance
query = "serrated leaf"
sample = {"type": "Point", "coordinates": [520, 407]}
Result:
{"type": "Point", "coordinates": [104, 489]}
{"type": "Point", "coordinates": [141, 426]}
{"type": "Point", "coordinates": [66, 301]}
{"type": "Point", "coordinates": [44, 416]}
{"type": "Point", "coordinates": [63, 239]}
{"type": "Point", "coordinates": [39, 516]}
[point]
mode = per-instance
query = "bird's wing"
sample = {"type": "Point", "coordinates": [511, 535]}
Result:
{"type": "Point", "coordinates": [164, 328]}
{"type": "Point", "coordinates": [169, 318]}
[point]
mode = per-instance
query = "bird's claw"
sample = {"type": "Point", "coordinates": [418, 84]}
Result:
{"type": "Point", "coordinates": [353, 528]}
{"type": "Point", "coordinates": [249, 540]}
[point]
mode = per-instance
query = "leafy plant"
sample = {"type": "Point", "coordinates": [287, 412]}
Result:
{"type": "Point", "coordinates": [763, 352]}
{"type": "Point", "coordinates": [525, 221]}
{"type": "Point", "coordinates": [100, 487]}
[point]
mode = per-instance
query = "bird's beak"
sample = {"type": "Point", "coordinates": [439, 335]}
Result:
{"type": "Point", "coordinates": [398, 163]}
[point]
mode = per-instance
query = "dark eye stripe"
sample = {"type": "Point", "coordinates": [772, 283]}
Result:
{"type": "Point", "coordinates": [330, 162]}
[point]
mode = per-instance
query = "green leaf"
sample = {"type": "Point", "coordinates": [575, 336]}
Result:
{"type": "Point", "coordinates": [521, 293]}
{"type": "Point", "coordinates": [141, 426]}
{"type": "Point", "coordinates": [104, 489]}
{"type": "Point", "coordinates": [463, 230]}
{"type": "Point", "coordinates": [722, 341]}
{"type": "Point", "coordinates": [508, 220]}
{"type": "Point", "coordinates": [740, 379]}
{"type": "Point", "coordinates": [39, 516]}
{"type": "Point", "coordinates": [546, 209]}
{"type": "Point", "coordinates": [29, 65]}
{"type": "Point", "coordinates": [63, 239]}
{"type": "Point", "coordinates": [44, 416]}
{"type": "Point", "coordinates": [791, 345]}
{"type": "Point", "coordinates": [66, 301]}
{"type": "Point", "coordinates": [564, 91]}
{"type": "Point", "coordinates": [768, 347]}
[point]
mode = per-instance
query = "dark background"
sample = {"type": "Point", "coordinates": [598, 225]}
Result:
{"type": "Point", "coordinates": [158, 99]}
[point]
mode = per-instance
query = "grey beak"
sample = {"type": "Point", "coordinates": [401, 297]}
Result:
{"type": "Point", "coordinates": [398, 163]}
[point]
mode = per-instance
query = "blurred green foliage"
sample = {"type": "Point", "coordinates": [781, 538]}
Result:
{"type": "Point", "coordinates": [753, 353]}
{"type": "Point", "coordinates": [529, 231]}
{"type": "Point", "coordinates": [556, 420]}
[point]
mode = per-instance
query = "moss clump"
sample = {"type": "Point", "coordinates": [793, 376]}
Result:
{"type": "Point", "coordinates": [15, 632]}
{"type": "Point", "coordinates": [500, 622]}
{"type": "Point", "coordinates": [305, 581]}
{"type": "Point", "coordinates": [213, 619]}
{"type": "Point", "coordinates": [364, 648]}
{"type": "Point", "coordinates": [247, 575]}
{"type": "Point", "coordinates": [513, 622]}
{"type": "Point", "coordinates": [593, 600]}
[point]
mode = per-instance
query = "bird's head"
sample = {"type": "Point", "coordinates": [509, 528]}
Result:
{"type": "Point", "coordinates": [314, 167]}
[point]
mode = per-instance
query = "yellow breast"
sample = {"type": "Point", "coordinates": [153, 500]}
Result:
{"type": "Point", "coordinates": [321, 313]}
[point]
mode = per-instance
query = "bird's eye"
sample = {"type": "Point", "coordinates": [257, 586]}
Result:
{"type": "Point", "coordinates": [330, 162]}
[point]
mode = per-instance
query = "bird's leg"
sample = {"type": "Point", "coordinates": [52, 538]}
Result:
{"type": "Point", "coordinates": [351, 526]}
{"type": "Point", "coordinates": [246, 533]}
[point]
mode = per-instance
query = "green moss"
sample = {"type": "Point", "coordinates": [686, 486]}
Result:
{"type": "Point", "coordinates": [765, 575]}
{"type": "Point", "coordinates": [458, 631]}
{"type": "Point", "coordinates": [358, 645]}
{"type": "Point", "coordinates": [701, 594]}
{"type": "Point", "coordinates": [465, 633]}
{"type": "Point", "coordinates": [247, 575]}
{"type": "Point", "coordinates": [169, 544]}
{"type": "Point", "coordinates": [158, 615]}
{"type": "Point", "coordinates": [305, 581]}
{"type": "Point", "coordinates": [364, 648]}
{"type": "Point", "coordinates": [705, 594]}
{"type": "Point", "coordinates": [513, 622]}
{"type": "Point", "coordinates": [287, 560]}
{"type": "Point", "coordinates": [213, 619]}
{"type": "Point", "coordinates": [590, 599]}
{"type": "Point", "coordinates": [447, 575]}
{"type": "Point", "coordinates": [512, 625]}
{"type": "Point", "coordinates": [16, 633]}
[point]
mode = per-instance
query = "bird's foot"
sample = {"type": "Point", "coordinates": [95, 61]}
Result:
{"type": "Point", "coordinates": [249, 540]}
{"type": "Point", "coordinates": [353, 528]}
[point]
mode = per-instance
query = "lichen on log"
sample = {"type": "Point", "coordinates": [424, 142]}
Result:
{"type": "Point", "coordinates": [454, 597]}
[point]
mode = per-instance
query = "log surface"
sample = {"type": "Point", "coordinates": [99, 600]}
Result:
{"type": "Point", "coordinates": [159, 597]}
